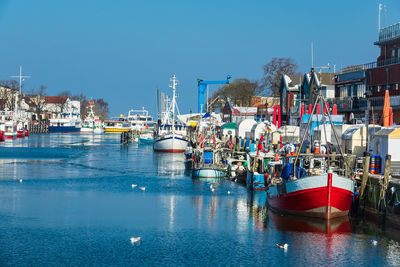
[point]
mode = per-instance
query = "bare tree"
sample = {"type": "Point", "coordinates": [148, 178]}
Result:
{"type": "Point", "coordinates": [273, 72]}
{"type": "Point", "coordinates": [101, 108]}
{"type": "Point", "coordinates": [9, 93]}
{"type": "Point", "coordinates": [38, 99]}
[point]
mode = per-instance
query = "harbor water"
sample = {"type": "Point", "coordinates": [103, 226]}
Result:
{"type": "Point", "coordinates": [76, 206]}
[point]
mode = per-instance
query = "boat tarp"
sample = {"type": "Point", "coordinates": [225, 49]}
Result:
{"type": "Point", "coordinates": [229, 125]}
{"type": "Point", "coordinates": [287, 172]}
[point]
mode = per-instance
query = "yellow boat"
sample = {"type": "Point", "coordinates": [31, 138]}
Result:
{"type": "Point", "coordinates": [116, 126]}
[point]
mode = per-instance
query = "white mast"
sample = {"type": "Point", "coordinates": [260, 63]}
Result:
{"type": "Point", "coordinates": [173, 86]}
{"type": "Point", "coordinates": [21, 78]}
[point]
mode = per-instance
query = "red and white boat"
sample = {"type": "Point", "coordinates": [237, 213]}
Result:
{"type": "Point", "coordinates": [10, 129]}
{"type": "Point", "coordinates": [170, 136]}
{"type": "Point", "coordinates": [20, 130]}
{"type": "Point", "coordinates": [305, 185]}
{"type": "Point", "coordinates": [326, 196]}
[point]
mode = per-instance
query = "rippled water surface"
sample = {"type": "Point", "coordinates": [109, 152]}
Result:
{"type": "Point", "coordinates": [76, 206]}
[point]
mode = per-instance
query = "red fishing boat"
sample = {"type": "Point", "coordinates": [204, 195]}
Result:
{"type": "Point", "coordinates": [326, 196]}
{"type": "Point", "coordinates": [305, 185]}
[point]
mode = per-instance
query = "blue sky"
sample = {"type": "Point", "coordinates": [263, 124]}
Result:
{"type": "Point", "coordinates": [122, 50]}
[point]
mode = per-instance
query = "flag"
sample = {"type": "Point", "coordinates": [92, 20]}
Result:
{"type": "Point", "coordinates": [205, 116]}
{"type": "Point", "coordinates": [386, 109]}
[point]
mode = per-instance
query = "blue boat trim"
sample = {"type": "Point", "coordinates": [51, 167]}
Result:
{"type": "Point", "coordinates": [170, 138]}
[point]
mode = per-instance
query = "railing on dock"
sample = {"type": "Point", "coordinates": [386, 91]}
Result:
{"type": "Point", "coordinates": [38, 128]}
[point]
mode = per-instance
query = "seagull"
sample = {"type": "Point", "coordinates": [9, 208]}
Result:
{"type": "Point", "coordinates": [229, 192]}
{"type": "Point", "coordinates": [283, 246]}
{"type": "Point", "coordinates": [20, 180]}
{"type": "Point", "coordinates": [211, 186]}
{"type": "Point", "coordinates": [212, 189]}
{"type": "Point", "coordinates": [374, 242]}
{"type": "Point", "coordinates": [142, 188]}
{"type": "Point", "coordinates": [135, 240]}
{"type": "Point", "coordinates": [134, 185]}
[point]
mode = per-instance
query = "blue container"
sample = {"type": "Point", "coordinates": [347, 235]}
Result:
{"type": "Point", "coordinates": [252, 147]}
{"type": "Point", "coordinates": [208, 157]}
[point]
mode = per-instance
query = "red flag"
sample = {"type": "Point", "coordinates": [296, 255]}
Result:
{"type": "Point", "coordinates": [327, 105]}
{"type": "Point", "coordinates": [309, 109]}
{"type": "Point", "coordinates": [302, 112]}
{"type": "Point", "coordinates": [274, 118]}
{"type": "Point", "coordinates": [317, 107]}
{"type": "Point", "coordinates": [279, 116]}
{"type": "Point", "coordinates": [334, 109]}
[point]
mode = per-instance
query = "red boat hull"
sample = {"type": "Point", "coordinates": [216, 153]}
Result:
{"type": "Point", "coordinates": [328, 201]}
{"type": "Point", "coordinates": [20, 134]}
{"type": "Point", "coordinates": [2, 138]}
{"type": "Point", "coordinates": [169, 150]}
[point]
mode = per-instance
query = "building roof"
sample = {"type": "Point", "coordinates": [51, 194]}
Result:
{"type": "Point", "coordinates": [55, 99]}
{"type": "Point", "coordinates": [244, 110]}
{"type": "Point", "coordinates": [390, 132]}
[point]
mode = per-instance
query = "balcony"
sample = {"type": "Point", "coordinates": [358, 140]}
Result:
{"type": "Point", "coordinates": [389, 33]}
{"type": "Point", "coordinates": [371, 65]}
{"type": "Point", "coordinates": [360, 104]}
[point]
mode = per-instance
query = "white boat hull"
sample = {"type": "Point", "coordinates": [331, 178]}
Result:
{"type": "Point", "coordinates": [208, 173]}
{"type": "Point", "coordinates": [171, 143]}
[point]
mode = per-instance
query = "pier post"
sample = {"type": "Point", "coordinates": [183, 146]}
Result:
{"type": "Point", "coordinates": [365, 176]}
{"type": "Point", "coordinates": [384, 185]}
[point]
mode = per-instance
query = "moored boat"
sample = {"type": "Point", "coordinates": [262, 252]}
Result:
{"type": "Point", "coordinates": [170, 135]}
{"type": "Point", "coordinates": [326, 196]}
{"type": "Point", "coordinates": [116, 125]}
{"type": "Point", "coordinates": [209, 163]}
{"type": "Point", "coordinates": [91, 123]}
{"type": "Point", "coordinates": [304, 184]}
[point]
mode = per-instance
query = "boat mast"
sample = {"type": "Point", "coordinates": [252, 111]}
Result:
{"type": "Point", "coordinates": [173, 86]}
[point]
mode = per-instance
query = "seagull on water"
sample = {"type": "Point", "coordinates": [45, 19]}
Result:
{"type": "Point", "coordinates": [374, 242]}
{"type": "Point", "coordinates": [211, 186]}
{"type": "Point", "coordinates": [283, 246]}
{"type": "Point", "coordinates": [142, 188]}
{"type": "Point", "coordinates": [135, 240]}
{"type": "Point", "coordinates": [212, 189]}
{"type": "Point", "coordinates": [229, 192]}
{"type": "Point", "coordinates": [20, 180]}
{"type": "Point", "coordinates": [134, 185]}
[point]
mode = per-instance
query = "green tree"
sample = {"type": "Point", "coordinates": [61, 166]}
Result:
{"type": "Point", "coordinates": [239, 92]}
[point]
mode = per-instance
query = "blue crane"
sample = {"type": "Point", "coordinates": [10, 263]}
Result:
{"type": "Point", "coordinates": [202, 85]}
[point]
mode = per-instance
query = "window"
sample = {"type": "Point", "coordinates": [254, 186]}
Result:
{"type": "Point", "coordinates": [393, 52]}
{"type": "Point", "coordinates": [396, 86]}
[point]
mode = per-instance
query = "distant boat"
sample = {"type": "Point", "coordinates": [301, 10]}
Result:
{"type": "Point", "coordinates": [69, 124]}
{"type": "Point", "coordinates": [92, 123]}
{"type": "Point", "coordinates": [140, 120]}
{"type": "Point", "coordinates": [117, 125]}
{"type": "Point", "coordinates": [171, 136]}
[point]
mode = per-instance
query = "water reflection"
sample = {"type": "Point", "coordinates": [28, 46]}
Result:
{"type": "Point", "coordinates": [289, 223]}
{"type": "Point", "coordinates": [170, 164]}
